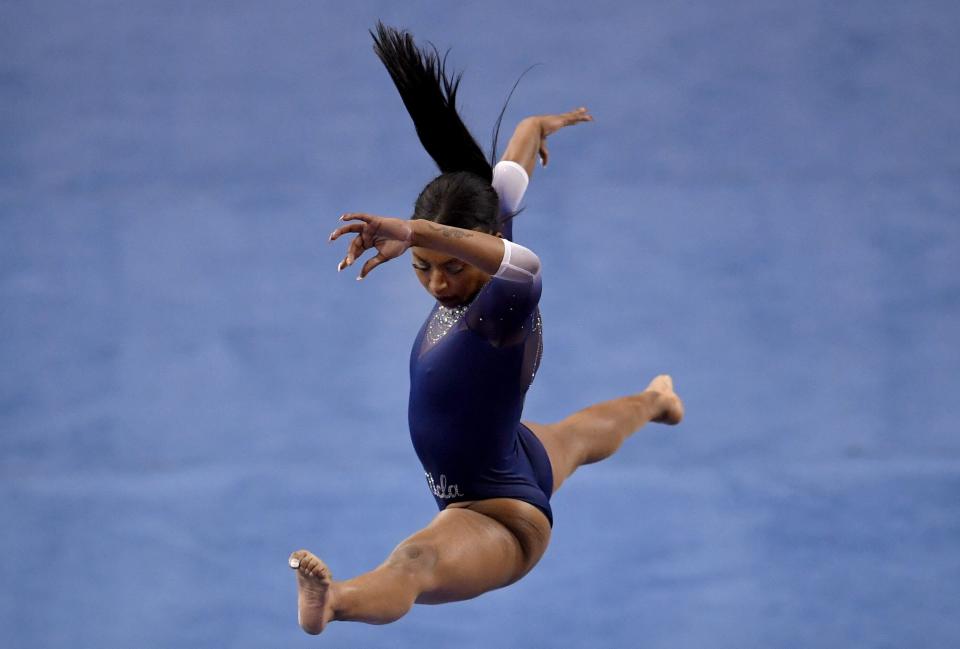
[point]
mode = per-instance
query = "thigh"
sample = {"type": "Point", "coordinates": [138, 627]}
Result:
{"type": "Point", "coordinates": [469, 553]}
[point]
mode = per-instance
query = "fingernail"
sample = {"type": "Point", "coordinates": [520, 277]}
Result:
{"type": "Point", "coordinates": [339, 266]}
{"type": "Point", "coordinates": [359, 277]}
{"type": "Point", "coordinates": [294, 562]}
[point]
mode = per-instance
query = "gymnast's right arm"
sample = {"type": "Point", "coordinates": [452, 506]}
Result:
{"type": "Point", "coordinates": [391, 237]}
{"type": "Point", "coordinates": [505, 303]}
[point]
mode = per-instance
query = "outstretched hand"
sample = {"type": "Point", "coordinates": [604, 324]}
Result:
{"type": "Point", "coordinates": [529, 140]}
{"type": "Point", "coordinates": [391, 237]}
{"type": "Point", "coordinates": [550, 124]}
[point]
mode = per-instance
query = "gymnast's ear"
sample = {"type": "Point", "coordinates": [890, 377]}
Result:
{"type": "Point", "coordinates": [499, 235]}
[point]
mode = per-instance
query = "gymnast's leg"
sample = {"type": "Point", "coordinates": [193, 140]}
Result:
{"type": "Point", "coordinates": [461, 554]}
{"type": "Point", "coordinates": [595, 433]}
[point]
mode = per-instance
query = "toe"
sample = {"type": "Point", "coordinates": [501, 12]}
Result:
{"type": "Point", "coordinates": [299, 558]}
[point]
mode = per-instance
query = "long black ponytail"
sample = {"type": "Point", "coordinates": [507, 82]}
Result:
{"type": "Point", "coordinates": [430, 95]}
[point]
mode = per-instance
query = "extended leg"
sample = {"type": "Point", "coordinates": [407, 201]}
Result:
{"type": "Point", "coordinates": [595, 433]}
{"type": "Point", "coordinates": [460, 555]}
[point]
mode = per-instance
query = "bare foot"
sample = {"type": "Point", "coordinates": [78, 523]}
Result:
{"type": "Point", "coordinates": [314, 605]}
{"type": "Point", "coordinates": [672, 406]}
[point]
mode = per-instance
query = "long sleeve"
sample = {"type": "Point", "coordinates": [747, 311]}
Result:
{"type": "Point", "coordinates": [504, 306]}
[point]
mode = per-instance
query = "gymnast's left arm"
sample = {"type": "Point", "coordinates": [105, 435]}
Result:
{"type": "Point", "coordinates": [512, 174]}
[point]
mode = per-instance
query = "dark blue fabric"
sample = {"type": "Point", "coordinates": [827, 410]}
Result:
{"type": "Point", "coordinates": [466, 397]}
{"type": "Point", "coordinates": [501, 312]}
{"type": "Point", "coordinates": [540, 466]}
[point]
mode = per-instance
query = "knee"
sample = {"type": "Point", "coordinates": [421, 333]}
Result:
{"type": "Point", "coordinates": [413, 557]}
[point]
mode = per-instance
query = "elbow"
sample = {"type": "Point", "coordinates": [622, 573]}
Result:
{"type": "Point", "coordinates": [519, 263]}
{"type": "Point", "coordinates": [533, 267]}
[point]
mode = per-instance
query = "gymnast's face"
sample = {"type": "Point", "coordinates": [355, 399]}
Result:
{"type": "Point", "coordinates": [451, 281]}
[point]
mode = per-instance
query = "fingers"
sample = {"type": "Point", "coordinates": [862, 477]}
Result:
{"type": "Point", "coordinates": [357, 244]}
{"type": "Point", "coordinates": [357, 216]}
{"type": "Point", "coordinates": [553, 123]}
{"type": "Point", "coordinates": [577, 116]}
{"type": "Point", "coordinates": [354, 250]}
{"type": "Point", "coordinates": [391, 237]}
{"type": "Point", "coordinates": [544, 154]}
{"type": "Point", "coordinates": [353, 227]}
{"type": "Point", "coordinates": [370, 264]}
{"type": "Point", "coordinates": [345, 229]}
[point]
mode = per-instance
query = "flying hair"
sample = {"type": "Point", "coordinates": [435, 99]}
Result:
{"type": "Point", "coordinates": [429, 94]}
{"type": "Point", "coordinates": [496, 126]}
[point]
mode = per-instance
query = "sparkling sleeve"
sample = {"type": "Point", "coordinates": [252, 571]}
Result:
{"type": "Point", "coordinates": [503, 310]}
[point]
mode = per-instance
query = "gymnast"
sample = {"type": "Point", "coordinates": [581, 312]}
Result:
{"type": "Point", "coordinates": [471, 365]}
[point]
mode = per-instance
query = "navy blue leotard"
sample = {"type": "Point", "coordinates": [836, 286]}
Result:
{"type": "Point", "coordinates": [470, 369]}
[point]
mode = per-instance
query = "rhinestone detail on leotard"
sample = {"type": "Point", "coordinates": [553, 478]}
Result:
{"type": "Point", "coordinates": [443, 320]}
{"type": "Point", "coordinates": [537, 330]}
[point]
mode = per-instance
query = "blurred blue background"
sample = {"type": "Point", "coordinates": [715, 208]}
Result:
{"type": "Point", "coordinates": [767, 206]}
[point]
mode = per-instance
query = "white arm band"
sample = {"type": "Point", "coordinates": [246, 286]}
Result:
{"type": "Point", "coordinates": [519, 264]}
